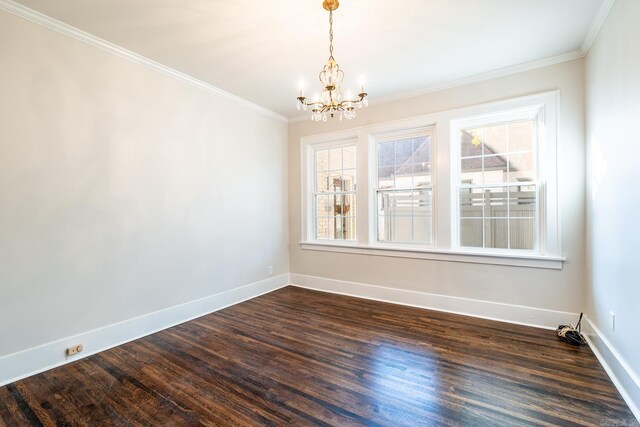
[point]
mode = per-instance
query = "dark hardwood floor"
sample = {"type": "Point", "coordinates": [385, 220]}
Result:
{"type": "Point", "coordinates": [299, 357]}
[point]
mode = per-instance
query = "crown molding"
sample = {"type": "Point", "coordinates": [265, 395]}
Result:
{"type": "Point", "coordinates": [546, 62]}
{"type": "Point", "coordinates": [596, 25]}
{"type": "Point", "coordinates": [68, 30]}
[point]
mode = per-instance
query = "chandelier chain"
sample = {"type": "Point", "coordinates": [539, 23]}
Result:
{"type": "Point", "coordinates": [331, 33]}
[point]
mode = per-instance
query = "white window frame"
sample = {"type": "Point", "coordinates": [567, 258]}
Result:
{"type": "Point", "coordinates": [378, 138]}
{"type": "Point", "coordinates": [542, 109]}
{"type": "Point", "coordinates": [445, 245]}
{"type": "Point", "coordinates": [309, 185]}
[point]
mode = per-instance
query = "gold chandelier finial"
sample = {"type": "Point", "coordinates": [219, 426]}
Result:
{"type": "Point", "coordinates": [332, 100]}
{"type": "Point", "coordinates": [331, 5]}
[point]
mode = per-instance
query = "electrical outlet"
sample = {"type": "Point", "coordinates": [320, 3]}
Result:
{"type": "Point", "coordinates": [270, 269]}
{"type": "Point", "coordinates": [612, 320]}
{"type": "Point", "coordinates": [74, 349]}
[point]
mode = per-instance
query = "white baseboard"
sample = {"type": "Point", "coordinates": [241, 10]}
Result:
{"type": "Point", "coordinates": [623, 377]}
{"type": "Point", "coordinates": [29, 362]}
{"type": "Point", "coordinates": [518, 314]}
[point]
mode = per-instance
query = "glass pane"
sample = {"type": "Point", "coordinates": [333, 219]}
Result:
{"type": "Point", "coordinates": [421, 174]}
{"type": "Point", "coordinates": [384, 225]}
{"type": "Point", "coordinates": [324, 205]}
{"type": "Point", "coordinates": [322, 182]}
{"type": "Point", "coordinates": [422, 202]}
{"type": "Point", "coordinates": [471, 203]}
{"type": "Point", "coordinates": [335, 181]}
{"type": "Point", "coordinates": [348, 228]}
{"type": "Point", "coordinates": [494, 139]}
{"type": "Point", "coordinates": [386, 154]}
{"type": "Point", "coordinates": [402, 201]}
{"type": "Point", "coordinates": [521, 167]}
{"type": "Point", "coordinates": [385, 206]}
{"type": "Point", "coordinates": [471, 142]}
{"type": "Point", "coordinates": [471, 233]}
{"type": "Point", "coordinates": [386, 177]}
{"type": "Point", "coordinates": [495, 202]}
{"type": "Point", "coordinates": [404, 151]}
{"type": "Point", "coordinates": [495, 169]}
{"type": "Point", "coordinates": [322, 160]}
{"type": "Point", "coordinates": [522, 201]}
{"type": "Point", "coordinates": [346, 205]}
{"type": "Point", "coordinates": [521, 136]}
{"type": "Point", "coordinates": [348, 179]}
{"type": "Point", "coordinates": [401, 229]}
{"type": "Point", "coordinates": [349, 158]}
{"type": "Point", "coordinates": [522, 233]}
{"type": "Point", "coordinates": [496, 233]}
{"type": "Point", "coordinates": [335, 159]}
{"type": "Point", "coordinates": [422, 149]}
{"type": "Point", "coordinates": [324, 228]}
{"type": "Point", "coordinates": [471, 171]}
{"type": "Point", "coordinates": [422, 229]}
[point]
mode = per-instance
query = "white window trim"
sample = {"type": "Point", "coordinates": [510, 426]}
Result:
{"type": "Point", "coordinates": [377, 138]}
{"type": "Point", "coordinates": [444, 239]}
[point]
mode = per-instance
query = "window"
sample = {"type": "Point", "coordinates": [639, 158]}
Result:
{"type": "Point", "coordinates": [496, 176]}
{"type": "Point", "coordinates": [335, 193]}
{"type": "Point", "coordinates": [404, 188]}
{"type": "Point", "coordinates": [476, 184]}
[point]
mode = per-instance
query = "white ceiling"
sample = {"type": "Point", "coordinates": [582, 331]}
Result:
{"type": "Point", "coordinates": [260, 50]}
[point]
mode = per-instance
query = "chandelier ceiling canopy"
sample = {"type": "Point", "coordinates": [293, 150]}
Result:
{"type": "Point", "coordinates": [332, 101]}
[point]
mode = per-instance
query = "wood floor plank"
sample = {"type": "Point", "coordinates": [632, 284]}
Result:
{"type": "Point", "coordinates": [300, 357]}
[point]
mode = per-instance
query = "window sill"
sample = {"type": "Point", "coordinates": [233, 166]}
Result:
{"type": "Point", "coordinates": [518, 260]}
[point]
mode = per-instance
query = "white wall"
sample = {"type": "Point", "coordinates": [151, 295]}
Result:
{"type": "Point", "coordinates": [559, 290]}
{"type": "Point", "coordinates": [613, 197]}
{"type": "Point", "coordinates": [124, 191]}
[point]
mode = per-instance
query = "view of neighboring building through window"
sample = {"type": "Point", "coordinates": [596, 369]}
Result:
{"type": "Point", "coordinates": [335, 193]}
{"type": "Point", "coordinates": [498, 185]}
{"type": "Point", "coordinates": [404, 189]}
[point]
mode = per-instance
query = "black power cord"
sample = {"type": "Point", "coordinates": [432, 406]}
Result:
{"type": "Point", "coordinates": [571, 334]}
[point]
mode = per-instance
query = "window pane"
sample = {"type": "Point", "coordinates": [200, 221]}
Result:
{"type": "Point", "coordinates": [471, 233]}
{"type": "Point", "coordinates": [323, 228]}
{"type": "Point", "coordinates": [402, 202]}
{"type": "Point", "coordinates": [421, 174]}
{"type": "Point", "coordinates": [349, 158]}
{"type": "Point", "coordinates": [521, 136]}
{"type": "Point", "coordinates": [386, 154]}
{"type": "Point", "coordinates": [521, 167]}
{"type": "Point", "coordinates": [471, 171]}
{"type": "Point", "coordinates": [384, 225]}
{"type": "Point", "coordinates": [346, 205]}
{"type": "Point", "coordinates": [494, 139]}
{"type": "Point", "coordinates": [335, 159]}
{"type": "Point", "coordinates": [495, 169]}
{"type": "Point", "coordinates": [471, 142]}
{"type": "Point", "coordinates": [349, 228]}
{"type": "Point", "coordinates": [522, 201]}
{"type": "Point", "coordinates": [385, 203]}
{"type": "Point", "coordinates": [422, 149]}
{"type": "Point", "coordinates": [324, 206]}
{"type": "Point", "coordinates": [335, 181]}
{"type": "Point", "coordinates": [401, 229]}
{"type": "Point", "coordinates": [471, 203]}
{"type": "Point", "coordinates": [322, 160]}
{"type": "Point", "coordinates": [495, 202]}
{"type": "Point", "coordinates": [422, 229]}
{"type": "Point", "coordinates": [322, 182]}
{"type": "Point", "coordinates": [422, 202]}
{"type": "Point", "coordinates": [348, 180]}
{"type": "Point", "coordinates": [522, 233]}
{"type": "Point", "coordinates": [404, 151]}
{"type": "Point", "coordinates": [496, 233]}
{"type": "Point", "coordinates": [386, 177]}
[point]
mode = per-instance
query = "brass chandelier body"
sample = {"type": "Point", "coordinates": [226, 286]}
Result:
{"type": "Point", "coordinates": [332, 100]}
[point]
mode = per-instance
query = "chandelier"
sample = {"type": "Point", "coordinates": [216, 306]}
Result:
{"type": "Point", "coordinates": [332, 101]}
